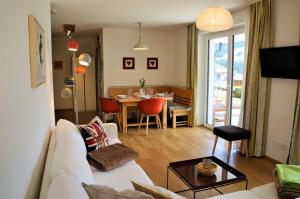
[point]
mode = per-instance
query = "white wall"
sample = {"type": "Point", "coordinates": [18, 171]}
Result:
{"type": "Point", "coordinates": [119, 42]}
{"type": "Point", "coordinates": [26, 113]}
{"type": "Point", "coordinates": [61, 53]}
{"type": "Point", "coordinates": [283, 93]}
{"type": "Point", "coordinates": [180, 57]}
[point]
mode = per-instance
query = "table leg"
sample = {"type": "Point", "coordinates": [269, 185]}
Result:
{"type": "Point", "coordinates": [167, 177]}
{"type": "Point", "coordinates": [246, 184]}
{"type": "Point", "coordinates": [164, 115]}
{"type": "Point", "coordinates": [124, 117]}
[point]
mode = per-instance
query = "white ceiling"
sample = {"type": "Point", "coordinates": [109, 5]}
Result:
{"type": "Point", "coordinates": [91, 15]}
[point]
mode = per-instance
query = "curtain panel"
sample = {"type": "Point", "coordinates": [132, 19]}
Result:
{"type": "Point", "coordinates": [192, 67]}
{"type": "Point", "coordinates": [257, 89]}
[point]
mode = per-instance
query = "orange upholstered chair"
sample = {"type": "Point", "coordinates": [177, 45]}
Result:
{"type": "Point", "coordinates": [110, 107]}
{"type": "Point", "coordinates": [151, 107]}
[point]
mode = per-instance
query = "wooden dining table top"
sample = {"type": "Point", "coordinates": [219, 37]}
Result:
{"type": "Point", "coordinates": [137, 99]}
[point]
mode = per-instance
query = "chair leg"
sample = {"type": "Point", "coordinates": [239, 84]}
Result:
{"type": "Point", "coordinates": [215, 144]}
{"type": "Point", "coordinates": [141, 121]}
{"type": "Point", "coordinates": [105, 115]}
{"type": "Point", "coordinates": [147, 125]}
{"type": "Point", "coordinates": [157, 123]}
{"type": "Point", "coordinates": [229, 150]}
{"type": "Point", "coordinates": [119, 123]}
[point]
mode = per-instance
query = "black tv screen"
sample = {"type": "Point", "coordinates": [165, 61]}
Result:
{"type": "Point", "coordinates": [282, 62]}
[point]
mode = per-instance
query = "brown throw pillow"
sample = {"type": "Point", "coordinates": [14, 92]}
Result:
{"type": "Point", "coordinates": [156, 191]}
{"type": "Point", "coordinates": [104, 192]}
{"type": "Point", "coordinates": [111, 157]}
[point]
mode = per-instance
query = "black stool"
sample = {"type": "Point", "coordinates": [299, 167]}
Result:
{"type": "Point", "coordinates": [232, 133]}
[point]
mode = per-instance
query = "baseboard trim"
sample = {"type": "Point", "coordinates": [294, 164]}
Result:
{"type": "Point", "coordinates": [272, 160]}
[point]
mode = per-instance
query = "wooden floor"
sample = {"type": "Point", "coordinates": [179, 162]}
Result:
{"type": "Point", "coordinates": [159, 148]}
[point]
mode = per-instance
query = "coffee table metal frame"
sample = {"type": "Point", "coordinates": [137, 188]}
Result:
{"type": "Point", "coordinates": [240, 177]}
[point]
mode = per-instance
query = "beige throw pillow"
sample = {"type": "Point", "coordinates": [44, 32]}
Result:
{"type": "Point", "coordinates": [156, 191]}
{"type": "Point", "coordinates": [104, 192]}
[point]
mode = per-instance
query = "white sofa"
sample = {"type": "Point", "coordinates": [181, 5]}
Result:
{"type": "Point", "coordinates": [67, 167]}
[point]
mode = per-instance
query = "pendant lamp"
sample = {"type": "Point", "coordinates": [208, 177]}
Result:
{"type": "Point", "coordinates": [140, 44]}
{"type": "Point", "coordinates": [214, 19]}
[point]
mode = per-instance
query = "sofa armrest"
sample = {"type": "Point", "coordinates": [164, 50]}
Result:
{"type": "Point", "coordinates": [111, 130]}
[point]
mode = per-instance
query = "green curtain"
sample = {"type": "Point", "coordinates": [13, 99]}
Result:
{"type": "Point", "coordinates": [192, 67]}
{"type": "Point", "coordinates": [257, 89]}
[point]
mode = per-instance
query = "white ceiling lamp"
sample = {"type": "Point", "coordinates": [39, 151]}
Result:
{"type": "Point", "coordinates": [214, 19]}
{"type": "Point", "coordinates": [140, 44]}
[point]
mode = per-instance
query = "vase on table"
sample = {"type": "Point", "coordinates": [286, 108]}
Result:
{"type": "Point", "coordinates": [142, 91]}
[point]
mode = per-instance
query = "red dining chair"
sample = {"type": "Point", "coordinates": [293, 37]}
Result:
{"type": "Point", "coordinates": [110, 107]}
{"type": "Point", "coordinates": [151, 107]}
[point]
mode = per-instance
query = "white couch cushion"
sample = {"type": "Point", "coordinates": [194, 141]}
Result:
{"type": "Point", "coordinates": [238, 195]}
{"type": "Point", "coordinates": [69, 159]}
{"type": "Point", "coordinates": [120, 178]}
{"type": "Point", "coordinates": [66, 129]}
{"type": "Point", "coordinates": [266, 191]}
{"type": "Point", "coordinates": [66, 187]}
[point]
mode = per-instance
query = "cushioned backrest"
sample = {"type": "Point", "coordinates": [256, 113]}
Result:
{"type": "Point", "coordinates": [66, 187]}
{"type": "Point", "coordinates": [67, 130]}
{"type": "Point", "coordinates": [70, 159]}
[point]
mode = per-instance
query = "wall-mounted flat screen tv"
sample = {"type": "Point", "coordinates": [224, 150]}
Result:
{"type": "Point", "coordinates": [282, 62]}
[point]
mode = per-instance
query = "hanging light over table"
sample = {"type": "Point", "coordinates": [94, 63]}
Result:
{"type": "Point", "coordinates": [140, 45]}
{"type": "Point", "coordinates": [214, 19]}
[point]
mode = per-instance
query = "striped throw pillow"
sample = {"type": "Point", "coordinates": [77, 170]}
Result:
{"type": "Point", "coordinates": [94, 135]}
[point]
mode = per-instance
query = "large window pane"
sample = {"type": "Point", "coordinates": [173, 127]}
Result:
{"type": "Point", "coordinates": [237, 77]}
{"type": "Point", "coordinates": [217, 81]}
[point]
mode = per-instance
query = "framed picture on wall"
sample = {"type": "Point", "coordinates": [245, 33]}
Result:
{"type": "Point", "coordinates": [37, 47]}
{"type": "Point", "coordinates": [128, 63]}
{"type": "Point", "coordinates": [57, 65]}
{"type": "Point", "coordinates": [152, 63]}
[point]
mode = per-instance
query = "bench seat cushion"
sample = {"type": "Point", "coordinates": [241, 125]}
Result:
{"type": "Point", "coordinates": [176, 106]}
{"type": "Point", "coordinates": [231, 133]}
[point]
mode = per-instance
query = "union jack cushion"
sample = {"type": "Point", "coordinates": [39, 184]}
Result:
{"type": "Point", "coordinates": [94, 135]}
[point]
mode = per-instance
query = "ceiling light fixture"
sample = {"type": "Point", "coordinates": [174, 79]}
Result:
{"type": "Point", "coordinates": [214, 19]}
{"type": "Point", "coordinates": [140, 44]}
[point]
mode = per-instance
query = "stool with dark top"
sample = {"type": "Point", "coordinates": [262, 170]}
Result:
{"type": "Point", "coordinates": [232, 133]}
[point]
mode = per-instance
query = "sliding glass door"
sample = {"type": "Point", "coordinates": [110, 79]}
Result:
{"type": "Point", "coordinates": [225, 78]}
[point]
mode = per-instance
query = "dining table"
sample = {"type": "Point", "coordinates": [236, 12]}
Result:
{"type": "Point", "coordinates": [132, 101]}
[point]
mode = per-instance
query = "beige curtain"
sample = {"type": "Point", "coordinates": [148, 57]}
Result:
{"type": "Point", "coordinates": [294, 152]}
{"type": "Point", "coordinates": [257, 89]}
{"type": "Point", "coordinates": [192, 67]}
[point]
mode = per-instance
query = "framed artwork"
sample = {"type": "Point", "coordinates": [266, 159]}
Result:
{"type": "Point", "coordinates": [152, 63]}
{"type": "Point", "coordinates": [37, 52]}
{"type": "Point", "coordinates": [128, 63]}
{"type": "Point", "coordinates": [57, 65]}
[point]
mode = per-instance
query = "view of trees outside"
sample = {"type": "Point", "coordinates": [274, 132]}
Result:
{"type": "Point", "coordinates": [219, 79]}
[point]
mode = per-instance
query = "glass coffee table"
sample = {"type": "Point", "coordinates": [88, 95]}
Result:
{"type": "Point", "coordinates": [188, 173]}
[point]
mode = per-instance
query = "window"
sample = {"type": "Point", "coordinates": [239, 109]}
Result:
{"type": "Point", "coordinates": [225, 76]}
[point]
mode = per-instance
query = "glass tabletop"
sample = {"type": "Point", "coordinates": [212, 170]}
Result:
{"type": "Point", "coordinates": [188, 172]}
